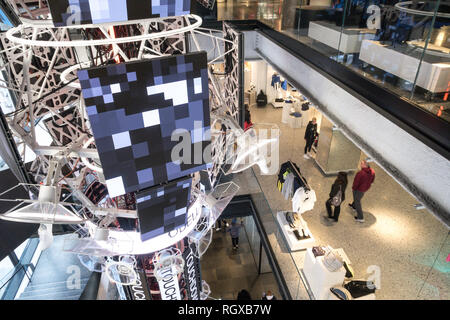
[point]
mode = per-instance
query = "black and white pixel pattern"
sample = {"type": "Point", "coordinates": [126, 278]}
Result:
{"type": "Point", "coordinates": [162, 209]}
{"type": "Point", "coordinates": [136, 109]}
{"type": "Point", "coordinates": [75, 12]}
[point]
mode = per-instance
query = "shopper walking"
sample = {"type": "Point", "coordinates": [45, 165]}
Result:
{"type": "Point", "coordinates": [362, 182]}
{"type": "Point", "coordinates": [268, 296]}
{"type": "Point", "coordinates": [220, 222]}
{"type": "Point", "coordinates": [234, 233]}
{"type": "Point", "coordinates": [337, 196]}
{"type": "Point", "coordinates": [310, 135]}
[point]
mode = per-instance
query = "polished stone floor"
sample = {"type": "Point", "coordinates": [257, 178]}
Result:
{"type": "Point", "coordinates": [228, 271]}
{"type": "Point", "coordinates": [407, 245]}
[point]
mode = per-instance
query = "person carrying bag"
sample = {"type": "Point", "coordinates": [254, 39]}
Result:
{"type": "Point", "coordinates": [337, 196]}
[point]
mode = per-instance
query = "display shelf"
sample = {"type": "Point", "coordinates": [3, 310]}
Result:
{"type": "Point", "coordinates": [278, 104]}
{"type": "Point", "coordinates": [346, 40]}
{"type": "Point", "coordinates": [319, 278]}
{"type": "Point", "coordinates": [288, 232]}
{"type": "Point", "coordinates": [434, 72]}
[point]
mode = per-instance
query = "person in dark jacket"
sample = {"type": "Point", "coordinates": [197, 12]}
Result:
{"type": "Point", "coordinates": [310, 135]}
{"type": "Point", "coordinates": [244, 295]}
{"type": "Point", "coordinates": [234, 230]}
{"type": "Point", "coordinates": [362, 182]}
{"type": "Point", "coordinates": [339, 184]}
{"type": "Point", "coordinates": [248, 120]}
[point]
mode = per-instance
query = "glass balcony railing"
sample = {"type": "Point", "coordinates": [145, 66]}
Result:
{"type": "Point", "coordinates": [403, 46]}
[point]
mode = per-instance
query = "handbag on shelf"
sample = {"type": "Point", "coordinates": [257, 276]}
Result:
{"type": "Point", "coordinates": [333, 260]}
{"type": "Point", "coordinates": [360, 288]}
{"type": "Point", "coordinates": [341, 293]}
{"type": "Point", "coordinates": [348, 271]}
{"type": "Point", "coordinates": [318, 251]}
{"type": "Point", "coordinates": [290, 220]}
{"type": "Point", "coordinates": [297, 235]}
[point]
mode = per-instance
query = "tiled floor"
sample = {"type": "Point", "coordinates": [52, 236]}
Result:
{"type": "Point", "coordinates": [228, 271]}
{"type": "Point", "coordinates": [408, 245]}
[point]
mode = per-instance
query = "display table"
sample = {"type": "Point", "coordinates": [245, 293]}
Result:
{"type": "Point", "coordinates": [329, 34]}
{"type": "Point", "coordinates": [287, 109]}
{"type": "Point", "coordinates": [295, 120]}
{"type": "Point", "coordinates": [319, 278]}
{"type": "Point", "coordinates": [371, 296]}
{"type": "Point", "coordinates": [278, 104]}
{"type": "Point", "coordinates": [250, 97]}
{"type": "Point", "coordinates": [306, 117]}
{"type": "Point", "coordinates": [291, 239]}
{"type": "Point", "coordinates": [434, 73]}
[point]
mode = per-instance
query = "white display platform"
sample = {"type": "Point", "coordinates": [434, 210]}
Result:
{"type": "Point", "coordinates": [306, 117]}
{"type": "Point", "coordinates": [278, 104]}
{"type": "Point", "coordinates": [329, 34]}
{"type": "Point", "coordinates": [287, 108]}
{"type": "Point", "coordinates": [295, 122]}
{"type": "Point", "coordinates": [293, 243]}
{"type": "Point", "coordinates": [367, 297]}
{"type": "Point", "coordinates": [319, 278]}
{"type": "Point", "coordinates": [433, 77]}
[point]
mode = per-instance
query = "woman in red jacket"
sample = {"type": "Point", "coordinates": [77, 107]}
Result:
{"type": "Point", "coordinates": [362, 182]}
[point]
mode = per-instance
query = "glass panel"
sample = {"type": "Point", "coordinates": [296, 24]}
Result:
{"type": "Point", "coordinates": [6, 271]}
{"type": "Point", "coordinates": [19, 250]}
{"type": "Point", "coordinates": [253, 237]}
{"type": "Point", "coordinates": [432, 49]}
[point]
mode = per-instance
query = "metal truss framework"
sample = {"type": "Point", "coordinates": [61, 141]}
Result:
{"type": "Point", "coordinates": [41, 65]}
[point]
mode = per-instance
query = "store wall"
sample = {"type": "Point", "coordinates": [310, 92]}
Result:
{"type": "Point", "coordinates": [418, 168]}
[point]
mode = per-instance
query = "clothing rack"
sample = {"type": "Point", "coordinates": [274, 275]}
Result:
{"type": "Point", "coordinates": [299, 175]}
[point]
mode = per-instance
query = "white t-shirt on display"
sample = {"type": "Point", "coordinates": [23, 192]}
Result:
{"type": "Point", "coordinates": [303, 200]}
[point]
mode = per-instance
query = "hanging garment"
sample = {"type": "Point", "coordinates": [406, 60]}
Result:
{"type": "Point", "coordinates": [284, 85]}
{"type": "Point", "coordinates": [288, 186]}
{"type": "Point", "coordinates": [303, 200]}
{"type": "Point", "coordinates": [279, 185]}
{"type": "Point", "coordinates": [275, 79]}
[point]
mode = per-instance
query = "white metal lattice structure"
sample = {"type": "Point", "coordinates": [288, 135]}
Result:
{"type": "Point", "coordinates": [42, 61]}
{"type": "Point", "coordinates": [206, 291]}
{"type": "Point", "coordinates": [170, 258]}
{"type": "Point", "coordinates": [29, 9]}
{"type": "Point", "coordinates": [122, 271]}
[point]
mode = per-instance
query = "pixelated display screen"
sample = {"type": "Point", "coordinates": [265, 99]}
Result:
{"type": "Point", "coordinates": [162, 209]}
{"type": "Point", "coordinates": [150, 119]}
{"type": "Point", "coordinates": [76, 12]}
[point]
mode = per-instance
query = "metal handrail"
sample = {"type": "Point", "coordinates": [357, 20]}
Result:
{"type": "Point", "coordinates": [18, 267]}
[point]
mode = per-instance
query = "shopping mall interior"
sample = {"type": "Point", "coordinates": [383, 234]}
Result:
{"type": "Point", "coordinates": [286, 150]}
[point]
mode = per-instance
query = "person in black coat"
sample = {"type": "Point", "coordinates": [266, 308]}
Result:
{"type": "Point", "coordinates": [339, 184]}
{"type": "Point", "coordinates": [310, 135]}
{"type": "Point", "coordinates": [244, 295]}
